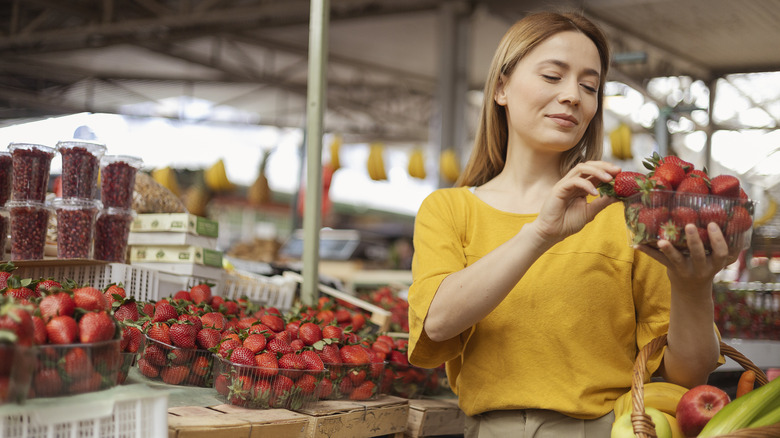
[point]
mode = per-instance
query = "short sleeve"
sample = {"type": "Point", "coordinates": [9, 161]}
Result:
{"type": "Point", "coordinates": [438, 252]}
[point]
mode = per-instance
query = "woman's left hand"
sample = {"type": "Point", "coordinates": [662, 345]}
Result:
{"type": "Point", "coordinates": [697, 269]}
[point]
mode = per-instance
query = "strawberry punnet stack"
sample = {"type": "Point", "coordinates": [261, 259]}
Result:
{"type": "Point", "coordinates": [659, 204]}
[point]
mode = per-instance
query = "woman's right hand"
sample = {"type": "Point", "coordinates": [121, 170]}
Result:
{"type": "Point", "coordinates": [567, 210]}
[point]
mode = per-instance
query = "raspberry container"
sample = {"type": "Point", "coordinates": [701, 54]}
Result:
{"type": "Point", "coordinates": [260, 388]}
{"type": "Point", "coordinates": [29, 220]}
{"type": "Point", "coordinates": [353, 382]}
{"type": "Point", "coordinates": [75, 368]}
{"type": "Point", "coordinates": [80, 167]}
{"type": "Point", "coordinates": [112, 228]}
{"type": "Point", "coordinates": [31, 166]}
{"type": "Point", "coordinates": [117, 180]}
{"type": "Point", "coordinates": [16, 364]}
{"type": "Point", "coordinates": [6, 176]}
{"type": "Point", "coordinates": [75, 227]}
{"type": "Point", "coordinates": [661, 214]}
{"type": "Point", "coordinates": [174, 365]}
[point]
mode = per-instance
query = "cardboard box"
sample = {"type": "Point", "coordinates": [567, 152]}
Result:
{"type": "Point", "coordinates": [170, 238]}
{"type": "Point", "coordinates": [176, 222]}
{"type": "Point", "coordinates": [431, 417]}
{"type": "Point", "coordinates": [370, 418]}
{"type": "Point", "coordinates": [175, 254]}
{"type": "Point", "coordinates": [228, 421]}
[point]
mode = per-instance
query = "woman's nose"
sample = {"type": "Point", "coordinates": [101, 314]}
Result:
{"type": "Point", "coordinates": [570, 94]}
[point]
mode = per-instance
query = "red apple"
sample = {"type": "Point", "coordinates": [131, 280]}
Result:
{"type": "Point", "coordinates": [697, 406]}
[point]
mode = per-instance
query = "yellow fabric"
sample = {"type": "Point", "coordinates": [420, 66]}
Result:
{"type": "Point", "coordinates": [565, 338]}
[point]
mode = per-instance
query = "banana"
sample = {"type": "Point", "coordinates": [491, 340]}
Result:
{"type": "Point", "coordinates": [376, 162]}
{"type": "Point", "coordinates": [166, 177]}
{"type": "Point", "coordinates": [620, 141]}
{"type": "Point", "coordinates": [626, 144]}
{"type": "Point", "coordinates": [770, 212]}
{"type": "Point", "coordinates": [417, 164]}
{"type": "Point", "coordinates": [448, 165]}
{"type": "Point", "coordinates": [335, 147]}
{"type": "Point", "coordinates": [663, 396]}
{"type": "Point", "coordinates": [676, 430]}
{"type": "Point", "coordinates": [216, 178]}
{"type": "Point", "coordinates": [370, 164]}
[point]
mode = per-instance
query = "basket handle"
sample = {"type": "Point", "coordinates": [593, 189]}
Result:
{"type": "Point", "coordinates": [642, 423]}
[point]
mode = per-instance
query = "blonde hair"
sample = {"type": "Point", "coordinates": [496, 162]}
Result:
{"type": "Point", "coordinates": [490, 146]}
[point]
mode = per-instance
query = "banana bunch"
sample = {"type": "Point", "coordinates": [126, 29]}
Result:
{"type": "Point", "coordinates": [166, 177]}
{"type": "Point", "coordinates": [335, 146]}
{"type": "Point", "coordinates": [620, 140]}
{"type": "Point", "coordinates": [448, 165]}
{"type": "Point", "coordinates": [376, 162]}
{"type": "Point", "coordinates": [417, 164]}
{"type": "Point", "coordinates": [216, 178]}
{"type": "Point", "coordinates": [663, 396]}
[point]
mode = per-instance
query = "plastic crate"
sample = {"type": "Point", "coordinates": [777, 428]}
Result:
{"type": "Point", "coordinates": [141, 283]}
{"type": "Point", "coordinates": [275, 291]}
{"type": "Point", "coordinates": [132, 411]}
{"type": "Point", "coordinates": [169, 283]}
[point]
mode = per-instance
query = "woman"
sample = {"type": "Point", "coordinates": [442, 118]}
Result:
{"type": "Point", "coordinates": [524, 281]}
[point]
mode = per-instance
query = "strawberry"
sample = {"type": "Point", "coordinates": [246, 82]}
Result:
{"type": "Point", "coordinates": [268, 364]}
{"type": "Point", "coordinates": [183, 334]}
{"type": "Point", "coordinates": [160, 332]}
{"type": "Point", "coordinates": [114, 292]}
{"type": "Point", "coordinates": [126, 310]}
{"type": "Point", "coordinates": [147, 309]}
{"type": "Point", "coordinates": [704, 236]}
{"type": "Point", "coordinates": [214, 320]}
{"type": "Point", "coordinates": [739, 221]}
{"type": "Point", "coordinates": [89, 383]}
{"type": "Point", "coordinates": [274, 322]}
{"type": "Point", "coordinates": [207, 338]}
{"type": "Point", "coordinates": [221, 384]}
{"type": "Point", "coordinates": [89, 298]}
{"type": "Point", "coordinates": [670, 172]}
{"type": "Point", "coordinates": [180, 356]}
{"type": "Point", "coordinates": [255, 342]}
{"type": "Point", "coordinates": [77, 364]}
{"type": "Point", "coordinates": [399, 358]}
{"type": "Point", "coordinates": [713, 213]}
{"type": "Point", "coordinates": [293, 327]}
{"type": "Point", "coordinates": [147, 369]}
{"type": "Point", "coordinates": [282, 384]}
{"type": "Point", "coordinates": [155, 355]}
{"type": "Point", "coordinates": [297, 345]}
{"type": "Point", "coordinates": [133, 337]}
{"type": "Point", "coordinates": [307, 384]}
{"type": "Point", "coordinates": [193, 319]}
{"type": "Point", "coordinates": [284, 335]}
{"type": "Point", "coordinates": [358, 321]}
{"type": "Point", "coordinates": [39, 330]}
{"type": "Point", "coordinates": [96, 327]}
{"type": "Point", "coordinates": [333, 332]}
{"type": "Point", "coordinates": [227, 346]}
{"type": "Point", "coordinates": [56, 304]}
{"type": "Point", "coordinates": [279, 346]}
{"type": "Point", "coordinates": [312, 360]}
{"type": "Point", "coordinates": [229, 307]}
{"type": "Point", "coordinates": [62, 329]}
{"type": "Point", "coordinates": [683, 216]}
{"type": "Point", "coordinates": [652, 218]}
{"type": "Point", "coordinates": [16, 324]}
{"type": "Point", "coordinates": [182, 295]}
{"type": "Point", "coordinates": [47, 286]}
{"type": "Point", "coordinates": [200, 366]}
{"type": "Point", "coordinates": [246, 322]}
{"type": "Point", "coordinates": [242, 356]}
{"type": "Point", "coordinates": [259, 327]}
{"type": "Point", "coordinates": [174, 375]}
{"type": "Point", "coordinates": [670, 231]}
{"type": "Point", "coordinates": [5, 271]}
{"type": "Point", "coordinates": [47, 383]}
{"type": "Point", "coordinates": [354, 355]}
{"type": "Point", "coordinates": [694, 184]}
{"type": "Point", "coordinates": [701, 174]}
{"type": "Point", "coordinates": [725, 185]}
{"type": "Point", "coordinates": [18, 289]}
{"type": "Point", "coordinates": [200, 293]}
{"type": "Point", "coordinates": [673, 159]}
{"type": "Point", "coordinates": [309, 333]}
{"type": "Point", "coordinates": [325, 389]}
{"type": "Point", "coordinates": [292, 361]}
{"type": "Point", "coordinates": [381, 348]}
{"type": "Point", "coordinates": [163, 311]}
{"type": "Point", "coordinates": [330, 354]}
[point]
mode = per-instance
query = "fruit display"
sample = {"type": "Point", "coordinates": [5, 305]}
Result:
{"type": "Point", "coordinates": [659, 205]}
{"type": "Point", "coordinates": [747, 310]}
{"type": "Point", "coordinates": [16, 354]}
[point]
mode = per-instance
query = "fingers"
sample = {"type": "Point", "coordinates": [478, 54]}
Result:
{"type": "Point", "coordinates": [588, 175]}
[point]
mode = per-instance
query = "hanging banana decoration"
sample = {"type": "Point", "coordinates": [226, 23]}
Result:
{"type": "Point", "coordinates": [417, 163]}
{"type": "Point", "coordinates": [620, 140]}
{"type": "Point", "coordinates": [448, 165]}
{"type": "Point", "coordinates": [376, 162]}
{"type": "Point", "coordinates": [335, 148]}
{"type": "Point", "coordinates": [216, 178]}
{"type": "Point", "coordinates": [166, 177]}
{"type": "Point", "coordinates": [770, 212]}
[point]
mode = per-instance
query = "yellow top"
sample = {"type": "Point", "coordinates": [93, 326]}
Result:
{"type": "Point", "coordinates": [566, 337]}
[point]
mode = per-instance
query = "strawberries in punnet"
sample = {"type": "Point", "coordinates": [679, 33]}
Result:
{"type": "Point", "coordinates": [89, 298]}
{"type": "Point", "coordinates": [47, 286]}
{"type": "Point", "coordinates": [183, 334]}
{"type": "Point", "coordinates": [208, 338]}
{"type": "Point", "coordinates": [200, 293]}
{"type": "Point", "coordinates": [163, 311]}
{"type": "Point", "coordinates": [725, 185]}
{"type": "Point", "coordinates": [62, 330]}
{"type": "Point", "coordinates": [96, 327]}
{"type": "Point", "coordinates": [309, 333]}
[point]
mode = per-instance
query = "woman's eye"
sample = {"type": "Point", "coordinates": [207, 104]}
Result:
{"type": "Point", "coordinates": [551, 78]}
{"type": "Point", "coordinates": [590, 88]}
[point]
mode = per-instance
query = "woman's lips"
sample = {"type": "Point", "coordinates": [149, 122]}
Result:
{"type": "Point", "coordinates": [564, 120]}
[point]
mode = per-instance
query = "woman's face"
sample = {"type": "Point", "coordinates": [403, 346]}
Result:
{"type": "Point", "coordinates": [552, 94]}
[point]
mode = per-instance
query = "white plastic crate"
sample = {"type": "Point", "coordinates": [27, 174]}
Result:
{"type": "Point", "coordinates": [169, 284]}
{"type": "Point", "coordinates": [274, 291]}
{"type": "Point", "coordinates": [141, 283]}
{"type": "Point", "coordinates": [132, 411]}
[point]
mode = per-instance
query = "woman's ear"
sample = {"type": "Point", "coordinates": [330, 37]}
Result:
{"type": "Point", "coordinates": [500, 95]}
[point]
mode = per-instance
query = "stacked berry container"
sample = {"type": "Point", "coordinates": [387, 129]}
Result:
{"type": "Point", "coordinates": [78, 208]}
{"type": "Point", "coordinates": [6, 181]}
{"type": "Point", "coordinates": [29, 214]}
{"type": "Point", "coordinates": [117, 182]}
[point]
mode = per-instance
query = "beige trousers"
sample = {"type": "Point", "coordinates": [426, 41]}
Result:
{"type": "Point", "coordinates": [536, 423]}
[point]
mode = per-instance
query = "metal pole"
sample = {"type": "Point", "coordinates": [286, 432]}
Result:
{"type": "Point", "coordinates": [318, 59]}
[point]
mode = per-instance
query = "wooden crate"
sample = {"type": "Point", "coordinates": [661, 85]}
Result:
{"type": "Point", "coordinates": [228, 421]}
{"type": "Point", "coordinates": [347, 419]}
{"type": "Point", "coordinates": [432, 417]}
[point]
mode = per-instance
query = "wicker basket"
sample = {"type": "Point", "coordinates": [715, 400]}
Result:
{"type": "Point", "coordinates": [643, 425]}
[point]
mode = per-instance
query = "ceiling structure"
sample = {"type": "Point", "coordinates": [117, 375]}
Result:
{"type": "Point", "coordinates": [148, 57]}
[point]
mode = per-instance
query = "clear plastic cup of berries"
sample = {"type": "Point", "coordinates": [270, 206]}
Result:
{"type": "Point", "coordinates": [80, 167]}
{"type": "Point", "coordinates": [75, 227]}
{"type": "Point", "coordinates": [28, 225]}
{"type": "Point", "coordinates": [6, 176]}
{"type": "Point", "coordinates": [31, 167]}
{"type": "Point", "coordinates": [117, 180]}
{"type": "Point", "coordinates": [112, 229]}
